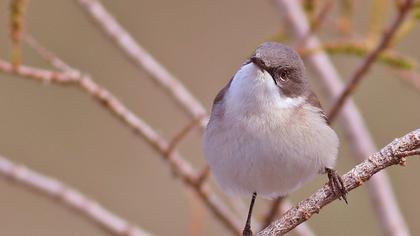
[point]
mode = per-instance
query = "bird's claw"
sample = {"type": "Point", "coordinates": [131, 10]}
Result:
{"type": "Point", "coordinates": [336, 184]}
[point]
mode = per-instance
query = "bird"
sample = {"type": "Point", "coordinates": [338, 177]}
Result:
{"type": "Point", "coordinates": [267, 134]}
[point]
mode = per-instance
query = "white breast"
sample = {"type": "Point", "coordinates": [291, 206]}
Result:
{"type": "Point", "coordinates": [264, 142]}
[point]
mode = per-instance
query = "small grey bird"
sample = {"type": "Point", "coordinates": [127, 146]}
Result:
{"type": "Point", "coordinates": [267, 133]}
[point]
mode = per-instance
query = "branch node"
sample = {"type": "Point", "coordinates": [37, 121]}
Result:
{"type": "Point", "coordinates": [306, 214]}
{"type": "Point", "coordinates": [183, 133]}
{"type": "Point", "coordinates": [359, 181]}
{"type": "Point", "coordinates": [403, 161]}
{"type": "Point", "coordinates": [317, 209]}
{"type": "Point", "coordinates": [202, 175]}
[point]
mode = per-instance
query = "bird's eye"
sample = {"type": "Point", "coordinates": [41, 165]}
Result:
{"type": "Point", "coordinates": [283, 75]}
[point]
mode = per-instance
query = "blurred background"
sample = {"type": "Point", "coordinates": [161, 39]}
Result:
{"type": "Point", "coordinates": [62, 132]}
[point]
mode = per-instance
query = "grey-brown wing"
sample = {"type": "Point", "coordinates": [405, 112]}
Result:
{"type": "Point", "coordinates": [314, 101]}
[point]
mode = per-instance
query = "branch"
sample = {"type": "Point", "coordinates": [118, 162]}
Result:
{"type": "Point", "coordinates": [411, 77]}
{"type": "Point", "coordinates": [370, 59]}
{"type": "Point", "coordinates": [141, 58]}
{"type": "Point", "coordinates": [317, 21]}
{"type": "Point", "coordinates": [196, 216]}
{"type": "Point", "coordinates": [179, 166]}
{"type": "Point", "coordinates": [361, 49]}
{"type": "Point", "coordinates": [392, 154]}
{"type": "Point", "coordinates": [183, 133]}
{"type": "Point", "coordinates": [17, 11]}
{"type": "Point", "coordinates": [281, 205]}
{"type": "Point", "coordinates": [68, 196]}
{"type": "Point", "coordinates": [41, 75]}
{"type": "Point", "coordinates": [379, 189]}
{"type": "Point", "coordinates": [273, 211]}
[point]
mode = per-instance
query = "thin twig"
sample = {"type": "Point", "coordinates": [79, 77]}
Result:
{"type": "Point", "coordinates": [48, 56]}
{"type": "Point", "coordinates": [392, 154]}
{"type": "Point", "coordinates": [141, 58]}
{"type": "Point", "coordinates": [183, 133]}
{"type": "Point", "coordinates": [203, 174]}
{"type": "Point", "coordinates": [273, 211]}
{"type": "Point", "coordinates": [196, 216]}
{"type": "Point", "coordinates": [370, 59]}
{"type": "Point", "coordinates": [361, 49]}
{"type": "Point", "coordinates": [379, 188]}
{"type": "Point", "coordinates": [68, 196]}
{"type": "Point", "coordinates": [180, 167]}
{"type": "Point", "coordinates": [344, 22]}
{"type": "Point", "coordinates": [41, 75]}
{"type": "Point", "coordinates": [411, 77]}
{"type": "Point", "coordinates": [317, 22]}
{"type": "Point", "coordinates": [17, 11]}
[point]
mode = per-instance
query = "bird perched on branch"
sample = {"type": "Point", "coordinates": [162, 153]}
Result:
{"type": "Point", "coordinates": [267, 133]}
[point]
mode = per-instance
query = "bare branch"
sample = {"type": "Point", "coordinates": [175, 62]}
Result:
{"type": "Point", "coordinates": [179, 166]}
{"type": "Point", "coordinates": [280, 206]}
{"type": "Point", "coordinates": [379, 189]}
{"type": "Point", "coordinates": [68, 196]}
{"type": "Point", "coordinates": [41, 75]}
{"type": "Point", "coordinates": [300, 230]}
{"type": "Point", "coordinates": [370, 59]}
{"type": "Point", "coordinates": [392, 154]}
{"type": "Point", "coordinates": [181, 134]}
{"type": "Point", "coordinates": [141, 58]}
{"type": "Point", "coordinates": [49, 56]}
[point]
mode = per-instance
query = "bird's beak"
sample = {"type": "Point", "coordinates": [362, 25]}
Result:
{"type": "Point", "coordinates": [258, 62]}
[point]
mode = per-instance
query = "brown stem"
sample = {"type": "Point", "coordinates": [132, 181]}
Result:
{"type": "Point", "coordinates": [370, 59]}
{"type": "Point", "coordinates": [17, 12]}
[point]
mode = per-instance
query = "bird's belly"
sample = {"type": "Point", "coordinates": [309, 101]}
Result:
{"type": "Point", "coordinates": [270, 158]}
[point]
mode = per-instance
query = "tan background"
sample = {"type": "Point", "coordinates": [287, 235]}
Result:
{"type": "Point", "coordinates": [62, 132]}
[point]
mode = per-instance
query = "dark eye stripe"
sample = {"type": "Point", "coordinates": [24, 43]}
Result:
{"type": "Point", "coordinates": [272, 72]}
{"type": "Point", "coordinates": [275, 72]}
{"type": "Point", "coordinates": [279, 74]}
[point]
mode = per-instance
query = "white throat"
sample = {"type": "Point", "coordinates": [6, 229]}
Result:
{"type": "Point", "coordinates": [253, 90]}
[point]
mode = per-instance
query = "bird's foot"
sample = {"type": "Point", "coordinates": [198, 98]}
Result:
{"type": "Point", "coordinates": [336, 184]}
{"type": "Point", "coordinates": [247, 231]}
